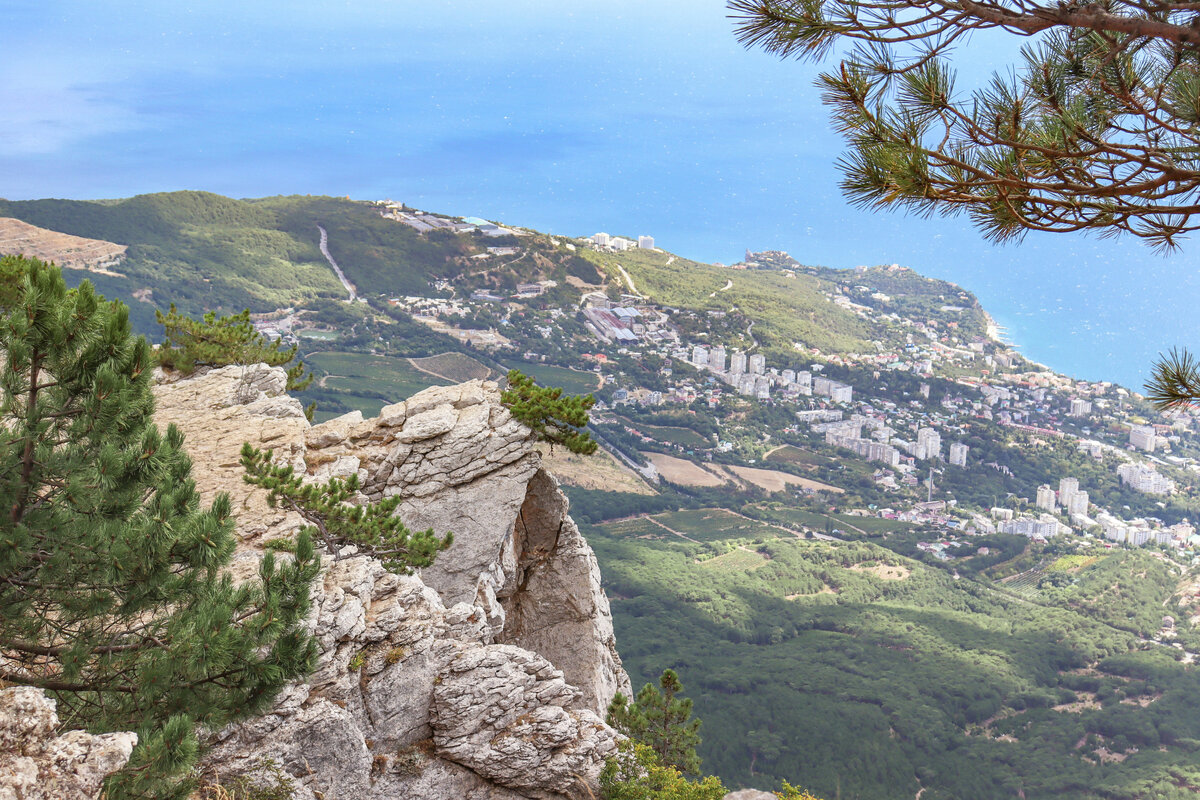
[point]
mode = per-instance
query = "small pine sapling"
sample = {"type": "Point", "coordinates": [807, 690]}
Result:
{"type": "Point", "coordinates": [662, 721]}
{"type": "Point", "coordinates": [552, 416]}
{"type": "Point", "coordinates": [373, 528]}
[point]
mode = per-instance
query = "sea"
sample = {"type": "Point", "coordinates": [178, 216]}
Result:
{"type": "Point", "coordinates": [623, 116]}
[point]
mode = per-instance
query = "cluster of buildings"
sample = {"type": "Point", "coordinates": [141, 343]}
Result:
{"type": "Point", "coordinates": [423, 221]}
{"type": "Point", "coordinates": [749, 375]}
{"type": "Point", "coordinates": [1144, 478]}
{"type": "Point", "coordinates": [602, 241]}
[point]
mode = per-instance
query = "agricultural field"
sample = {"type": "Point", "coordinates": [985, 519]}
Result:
{"type": "Point", "coordinates": [572, 381]}
{"type": "Point", "coordinates": [349, 381]}
{"type": "Point", "coordinates": [715, 524]}
{"type": "Point", "coordinates": [682, 471]}
{"type": "Point", "coordinates": [635, 528]}
{"type": "Point", "coordinates": [789, 454]}
{"type": "Point", "coordinates": [453, 367]}
{"type": "Point", "coordinates": [775, 481]}
{"type": "Point", "coordinates": [600, 471]}
{"type": "Point", "coordinates": [684, 437]}
{"type": "Point", "coordinates": [740, 559]}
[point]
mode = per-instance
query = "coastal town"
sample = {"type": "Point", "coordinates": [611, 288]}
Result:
{"type": "Point", "coordinates": [909, 415]}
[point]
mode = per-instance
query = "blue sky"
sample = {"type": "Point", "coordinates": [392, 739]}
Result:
{"type": "Point", "coordinates": [573, 117]}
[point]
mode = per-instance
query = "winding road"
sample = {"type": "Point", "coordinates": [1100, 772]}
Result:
{"type": "Point", "coordinates": [341, 275]}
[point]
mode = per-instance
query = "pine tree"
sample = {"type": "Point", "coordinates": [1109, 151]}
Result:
{"type": "Point", "coordinates": [637, 773]}
{"type": "Point", "coordinates": [662, 721]}
{"type": "Point", "coordinates": [552, 417]}
{"type": "Point", "coordinates": [112, 596]}
{"type": "Point", "coordinates": [219, 341]}
{"type": "Point", "coordinates": [374, 528]}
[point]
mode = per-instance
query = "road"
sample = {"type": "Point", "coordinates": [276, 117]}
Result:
{"type": "Point", "coordinates": [341, 275]}
{"type": "Point", "coordinates": [628, 281]}
{"type": "Point", "coordinates": [728, 285]}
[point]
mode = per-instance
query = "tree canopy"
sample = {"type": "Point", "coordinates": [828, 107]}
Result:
{"type": "Point", "coordinates": [660, 720]}
{"type": "Point", "coordinates": [113, 596]}
{"type": "Point", "coordinates": [1096, 127]}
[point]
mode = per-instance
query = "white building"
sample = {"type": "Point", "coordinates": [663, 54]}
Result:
{"type": "Point", "coordinates": [758, 364]}
{"type": "Point", "coordinates": [835, 391]}
{"type": "Point", "coordinates": [601, 240]}
{"type": "Point", "coordinates": [1144, 478]}
{"type": "Point", "coordinates": [737, 363]}
{"type": "Point", "coordinates": [620, 243]}
{"type": "Point", "coordinates": [1066, 488]}
{"type": "Point", "coordinates": [1080, 407]}
{"type": "Point", "coordinates": [929, 442]}
{"type": "Point", "coordinates": [1045, 498]}
{"type": "Point", "coordinates": [716, 358]}
{"type": "Point", "coordinates": [1077, 505]}
{"type": "Point", "coordinates": [1042, 529]}
{"type": "Point", "coordinates": [700, 356]}
{"type": "Point", "coordinates": [645, 242]}
{"type": "Point", "coordinates": [958, 454]}
{"type": "Point", "coordinates": [1143, 437]}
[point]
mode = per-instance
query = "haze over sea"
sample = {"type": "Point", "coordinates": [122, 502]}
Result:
{"type": "Point", "coordinates": [570, 117]}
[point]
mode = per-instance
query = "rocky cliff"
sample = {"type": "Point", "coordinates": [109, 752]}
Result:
{"type": "Point", "coordinates": [485, 676]}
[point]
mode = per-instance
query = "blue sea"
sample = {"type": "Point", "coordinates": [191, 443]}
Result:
{"type": "Point", "coordinates": [571, 117]}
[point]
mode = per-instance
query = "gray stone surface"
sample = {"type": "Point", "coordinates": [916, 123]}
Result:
{"type": "Point", "coordinates": [483, 678]}
{"type": "Point", "coordinates": [37, 765]}
{"type": "Point", "coordinates": [750, 794]}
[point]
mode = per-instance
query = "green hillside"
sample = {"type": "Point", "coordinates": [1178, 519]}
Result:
{"type": "Point", "coordinates": [204, 251]}
{"type": "Point", "coordinates": [868, 676]}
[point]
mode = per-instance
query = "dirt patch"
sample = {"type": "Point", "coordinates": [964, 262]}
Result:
{"type": "Point", "coordinates": [775, 481]}
{"type": "Point", "coordinates": [682, 471]}
{"type": "Point", "coordinates": [73, 252]}
{"type": "Point", "coordinates": [601, 470]}
{"type": "Point", "coordinates": [886, 572]}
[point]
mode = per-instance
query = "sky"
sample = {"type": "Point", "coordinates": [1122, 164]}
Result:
{"type": "Point", "coordinates": [570, 117]}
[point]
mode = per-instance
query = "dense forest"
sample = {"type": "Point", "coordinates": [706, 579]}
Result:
{"type": "Point", "coordinates": [864, 674]}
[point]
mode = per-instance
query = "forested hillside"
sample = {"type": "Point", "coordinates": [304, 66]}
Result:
{"type": "Point", "coordinates": [868, 675]}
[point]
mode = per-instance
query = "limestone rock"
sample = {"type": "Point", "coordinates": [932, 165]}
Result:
{"type": "Point", "coordinates": [36, 765]}
{"type": "Point", "coordinates": [484, 677]}
{"type": "Point", "coordinates": [502, 711]}
{"type": "Point", "coordinates": [750, 794]}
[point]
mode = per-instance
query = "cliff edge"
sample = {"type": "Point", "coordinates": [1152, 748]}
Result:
{"type": "Point", "coordinates": [486, 676]}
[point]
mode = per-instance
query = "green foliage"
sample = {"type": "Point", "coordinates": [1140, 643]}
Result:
{"type": "Point", "coordinates": [113, 596]}
{"type": "Point", "coordinates": [12, 279]}
{"type": "Point", "coordinates": [220, 341]}
{"type": "Point", "coordinates": [372, 528]}
{"type": "Point", "coordinates": [637, 773]}
{"type": "Point", "coordinates": [552, 417]}
{"type": "Point", "coordinates": [662, 721]}
{"type": "Point", "coordinates": [813, 667]}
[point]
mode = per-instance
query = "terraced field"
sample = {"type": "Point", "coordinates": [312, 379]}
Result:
{"type": "Point", "coordinates": [453, 367]}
